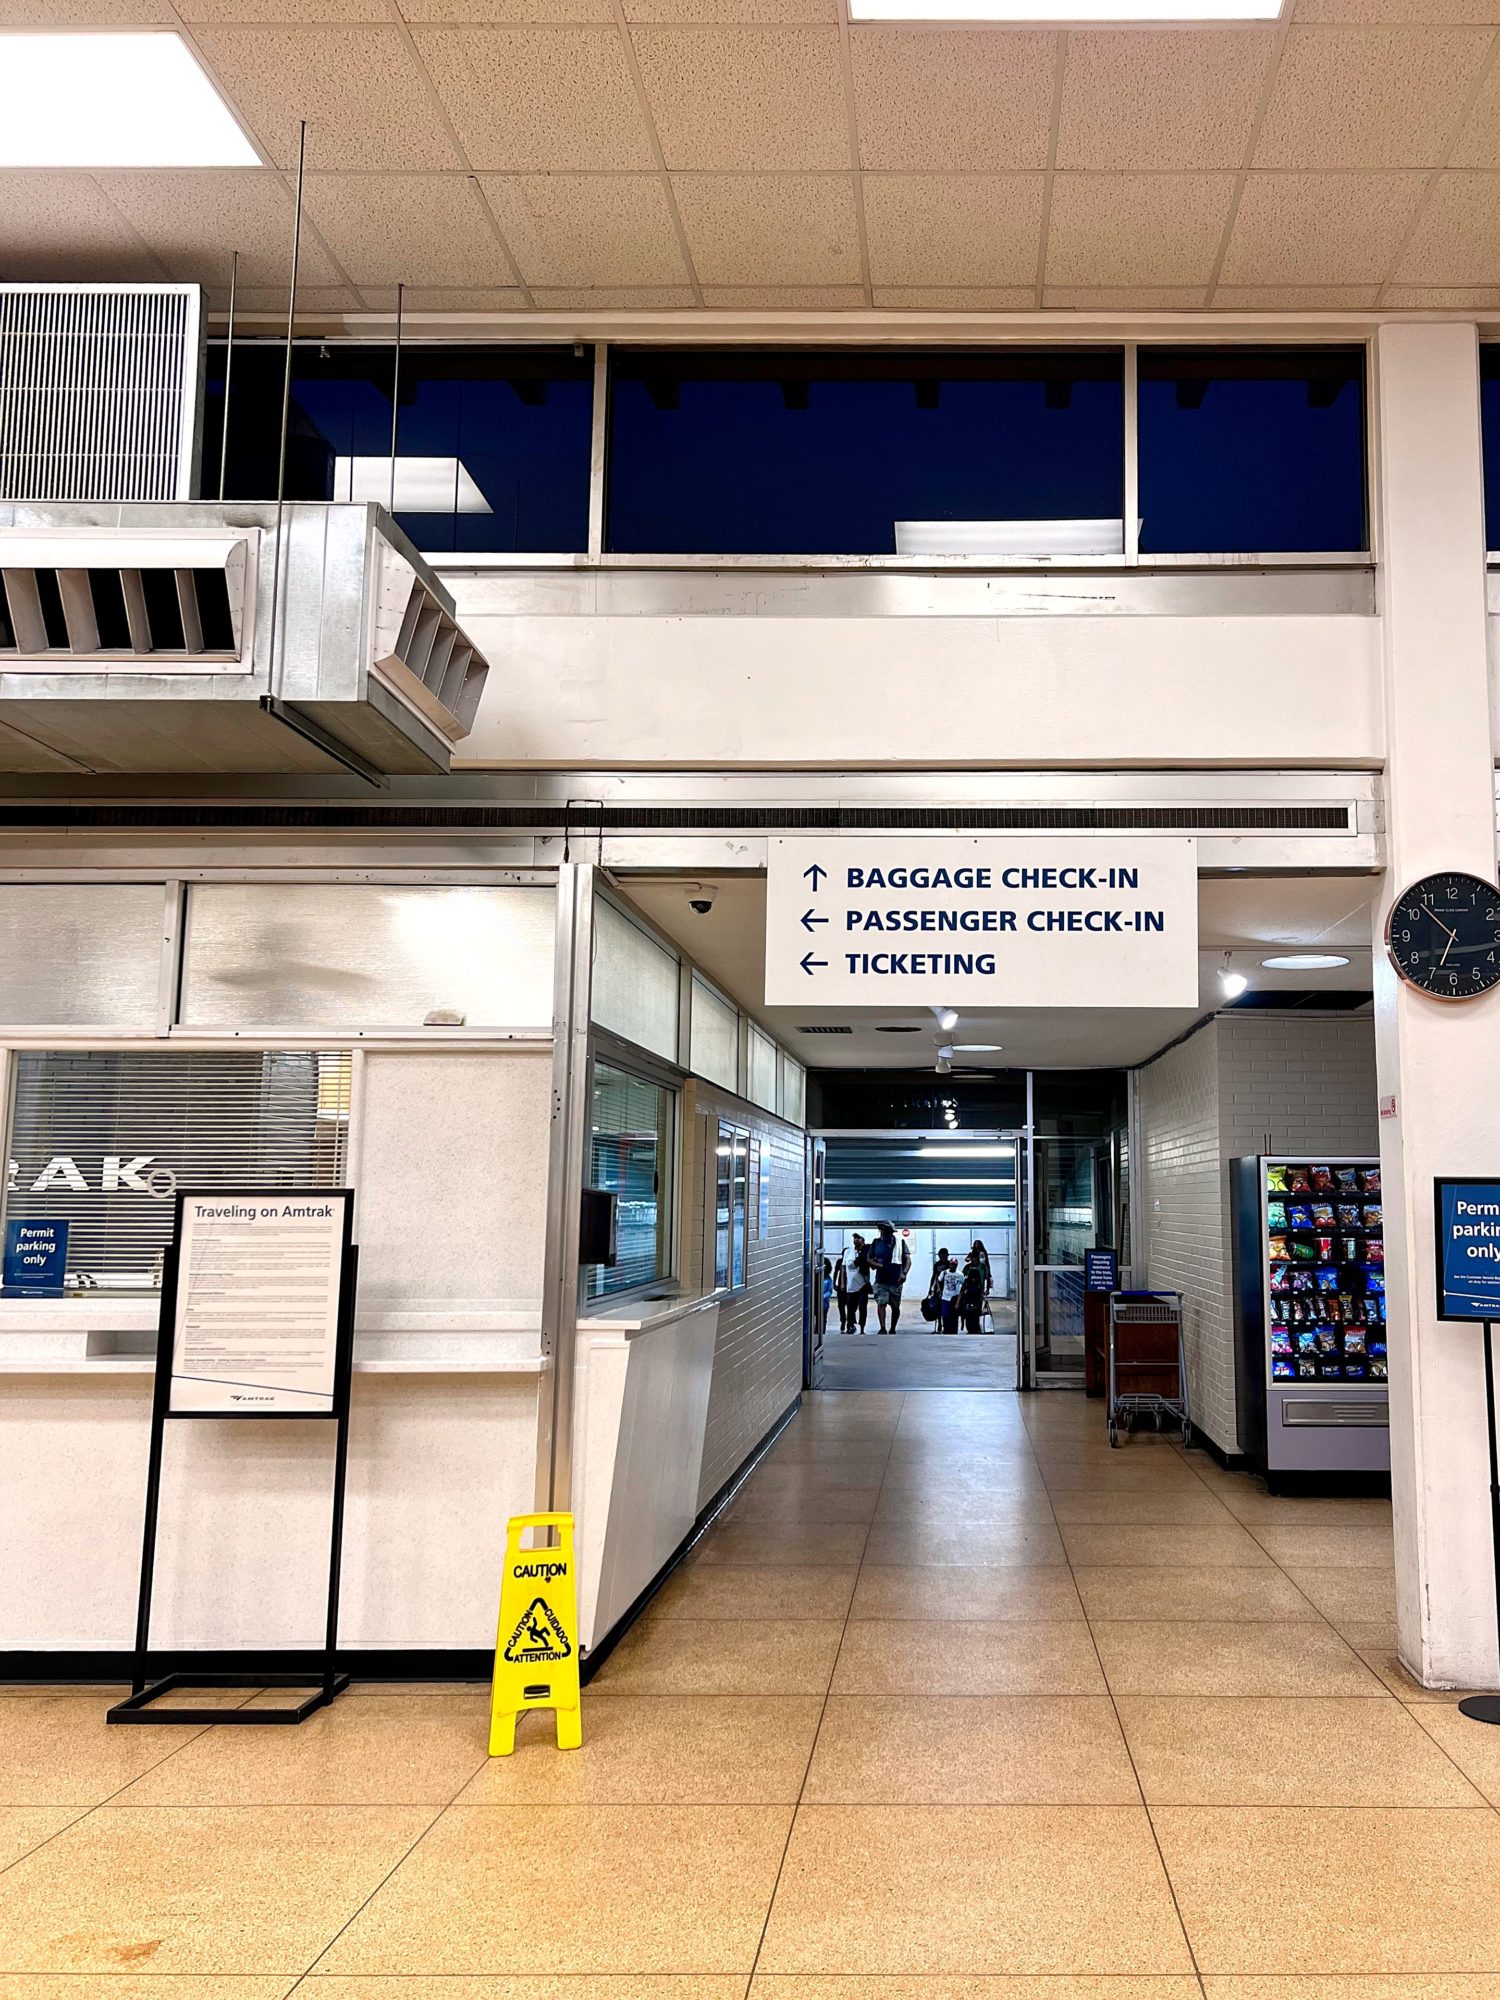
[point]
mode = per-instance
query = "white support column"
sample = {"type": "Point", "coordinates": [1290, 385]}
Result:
{"type": "Point", "coordinates": [1439, 1061]}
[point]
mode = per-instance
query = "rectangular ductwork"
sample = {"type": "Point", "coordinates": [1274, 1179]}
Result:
{"type": "Point", "coordinates": [99, 391]}
{"type": "Point", "coordinates": [139, 638]}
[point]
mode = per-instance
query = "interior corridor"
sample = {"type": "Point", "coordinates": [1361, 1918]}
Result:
{"type": "Point", "coordinates": [952, 1692]}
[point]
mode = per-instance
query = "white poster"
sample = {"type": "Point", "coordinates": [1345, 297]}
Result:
{"type": "Point", "coordinates": [256, 1329]}
{"type": "Point", "coordinates": [1047, 920]}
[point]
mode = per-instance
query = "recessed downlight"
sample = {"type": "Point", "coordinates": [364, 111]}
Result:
{"type": "Point", "coordinates": [1304, 961]}
{"type": "Point", "coordinates": [977, 1048]}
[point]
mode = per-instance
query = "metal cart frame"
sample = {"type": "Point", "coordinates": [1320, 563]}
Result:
{"type": "Point", "coordinates": [1141, 1346]}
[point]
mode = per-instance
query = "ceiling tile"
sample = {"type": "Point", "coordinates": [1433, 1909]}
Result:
{"type": "Point", "coordinates": [1174, 98]}
{"type": "Point", "coordinates": [1296, 298]}
{"type": "Point", "coordinates": [269, 301]}
{"type": "Point", "coordinates": [952, 98]}
{"type": "Point", "coordinates": [953, 229]}
{"type": "Point", "coordinates": [195, 217]}
{"type": "Point", "coordinates": [1368, 97]}
{"type": "Point", "coordinates": [1136, 229]}
{"type": "Point", "coordinates": [1375, 13]}
{"type": "Point", "coordinates": [363, 97]}
{"type": "Point", "coordinates": [450, 299]}
{"type": "Point", "coordinates": [295, 13]}
{"type": "Point", "coordinates": [628, 298]}
{"type": "Point", "coordinates": [588, 229]}
{"type": "Point", "coordinates": [757, 99]}
{"type": "Point", "coordinates": [502, 13]}
{"type": "Point", "coordinates": [784, 298]}
{"type": "Point", "coordinates": [60, 227]}
{"type": "Point", "coordinates": [732, 13]}
{"type": "Point", "coordinates": [770, 229]}
{"type": "Point", "coordinates": [1442, 298]}
{"type": "Point", "coordinates": [84, 13]}
{"type": "Point", "coordinates": [1478, 141]}
{"type": "Point", "coordinates": [956, 298]}
{"type": "Point", "coordinates": [1319, 229]}
{"type": "Point", "coordinates": [422, 229]}
{"type": "Point", "coordinates": [1457, 237]}
{"type": "Point", "coordinates": [1127, 298]}
{"type": "Point", "coordinates": [534, 100]}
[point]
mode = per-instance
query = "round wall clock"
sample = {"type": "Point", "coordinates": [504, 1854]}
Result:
{"type": "Point", "coordinates": [1443, 935]}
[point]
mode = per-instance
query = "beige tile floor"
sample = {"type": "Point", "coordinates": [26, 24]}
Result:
{"type": "Point", "coordinates": [956, 1704]}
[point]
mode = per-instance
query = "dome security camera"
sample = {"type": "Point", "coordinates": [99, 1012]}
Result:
{"type": "Point", "coordinates": [701, 898]}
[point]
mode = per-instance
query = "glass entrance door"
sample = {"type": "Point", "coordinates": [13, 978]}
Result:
{"type": "Point", "coordinates": [814, 1316]}
{"type": "Point", "coordinates": [1072, 1209]}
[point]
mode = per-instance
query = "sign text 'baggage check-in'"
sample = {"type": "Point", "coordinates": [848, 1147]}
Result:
{"type": "Point", "coordinates": [1071, 921]}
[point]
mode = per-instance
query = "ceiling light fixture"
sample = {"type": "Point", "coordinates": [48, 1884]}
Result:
{"type": "Point", "coordinates": [113, 100]}
{"type": "Point", "coordinates": [977, 1048]}
{"type": "Point", "coordinates": [1233, 983]}
{"type": "Point", "coordinates": [947, 1017]}
{"type": "Point", "coordinates": [966, 1152]}
{"type": "Point", "coordinates": [1305, 961]}
{"type": "Point", "coordinates": [1064, 10]}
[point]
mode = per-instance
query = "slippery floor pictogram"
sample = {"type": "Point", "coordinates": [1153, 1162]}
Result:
{"type": "Point", "coordinates": [538, 1637]}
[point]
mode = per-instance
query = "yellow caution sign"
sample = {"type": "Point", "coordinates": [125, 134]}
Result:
{"type": "Point", "coordinates": [536, 1648]}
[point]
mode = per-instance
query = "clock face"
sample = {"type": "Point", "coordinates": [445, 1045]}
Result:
{"type": "Point", "coordinates": [1443, 935]}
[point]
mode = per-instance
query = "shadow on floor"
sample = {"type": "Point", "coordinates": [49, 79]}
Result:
{"type": "Point", "coordinates": [918, 1360]}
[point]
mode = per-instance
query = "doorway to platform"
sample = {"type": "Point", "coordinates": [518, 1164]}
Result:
{"type": "Point", "coordinates": [953, 1199]}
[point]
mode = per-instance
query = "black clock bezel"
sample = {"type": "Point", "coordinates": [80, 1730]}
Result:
{"type": "Point", "coordinates": [1414, 889]}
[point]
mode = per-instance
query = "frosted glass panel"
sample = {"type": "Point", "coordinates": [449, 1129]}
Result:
{"type": "Point", "coordinates": [715, 1037]}
{"type": "Point", "coordinates": [793, 1090]}
{"type": "Point", "coordinates": [358, 955]}
{"type": "Point", "coordinates": [762, 1070]}
{"type": "Point", "coordinates": [80, 955]}
{"type": "Point", "coordinates": [635, 983]}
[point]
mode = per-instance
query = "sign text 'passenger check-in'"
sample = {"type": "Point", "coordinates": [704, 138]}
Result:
{"type": "Point", "coordinates": [1040, 921]}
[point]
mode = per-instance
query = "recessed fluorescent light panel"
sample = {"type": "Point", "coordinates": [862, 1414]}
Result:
{"type": "Point", "coordinates": [1064, 10]}
{"type": "Point", "coordinates": [423, 485]}
{"type": "Point", "coordinates": [89, 100]}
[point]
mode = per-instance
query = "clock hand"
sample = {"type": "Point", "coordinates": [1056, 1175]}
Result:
{"type": "Point", "coordinates": [1452, 936]}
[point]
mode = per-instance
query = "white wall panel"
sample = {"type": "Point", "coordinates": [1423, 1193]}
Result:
{"type": "Point", "coordinates": [1056, 690]}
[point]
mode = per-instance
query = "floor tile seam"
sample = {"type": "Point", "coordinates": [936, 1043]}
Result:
{"type": "Point", "coordinates": [353, 1917]}
{"type": "Point", "coordinates": [79, 1815]}
{"type": "Point", "coordinates": [1413, 1709]}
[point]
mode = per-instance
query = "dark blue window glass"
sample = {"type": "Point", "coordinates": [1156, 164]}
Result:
{"type": "Point", "coordinates": [1252, 448]}
{"type": "Point", "coordinates": [492, 443]}
{"type": "Point", "coordinates": [804, 452]}
{"type": "Point", "coordinates": [1489, 414]}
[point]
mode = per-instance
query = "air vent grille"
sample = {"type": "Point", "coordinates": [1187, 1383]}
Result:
{"type": "Point", "coordinates": [59, 614]}
{"type": "Point", "coordinates": [561, 819]}
{"type": "Point", "coordinates": [819, 1030]}
{"type": "Point", "coordinates": [98, 391]}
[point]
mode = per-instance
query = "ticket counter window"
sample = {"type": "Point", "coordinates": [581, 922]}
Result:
{"type": "Point", "coordinates": [103, 1140]}
{"type": "Point", "coordinates": [630, 1152]}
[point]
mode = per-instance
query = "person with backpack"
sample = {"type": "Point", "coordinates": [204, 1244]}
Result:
{"type": "Point", "coordinates": [890, 1263]}
{"type": "Point", "coordinates": [974, 1290]}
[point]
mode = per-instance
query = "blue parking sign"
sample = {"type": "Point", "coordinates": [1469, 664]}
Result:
{"type": "Point", "coordinates": [36, 1257]}
{"type": "Point", "coordinates": [1468, 1249]}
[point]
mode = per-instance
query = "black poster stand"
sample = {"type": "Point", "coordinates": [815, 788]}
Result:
{"type": "Point", "coordinates": [138, 1705]}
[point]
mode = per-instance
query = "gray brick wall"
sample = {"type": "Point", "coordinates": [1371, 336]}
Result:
{"type": "Point", "coordinates": [1245, 1083]}
{"type": "Point", "coordinates": [758, 1354]}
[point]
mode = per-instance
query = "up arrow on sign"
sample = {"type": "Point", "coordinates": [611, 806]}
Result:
{"type": "Point", "coordinates": [924, 920]}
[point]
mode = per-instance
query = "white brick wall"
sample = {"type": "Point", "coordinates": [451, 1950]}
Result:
{"type": "Point", "coordinates": [1245, 1083]}
{"type": "Point", "coordinates": [758, 1355]}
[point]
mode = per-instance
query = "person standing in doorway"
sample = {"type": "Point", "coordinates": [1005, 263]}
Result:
{"type": "Point", "coordinates": [890, 1262]}
{"type": "Point", "coordinates": [975, 1291]}
{"type": "Point", "coordinates": [852, 1276]}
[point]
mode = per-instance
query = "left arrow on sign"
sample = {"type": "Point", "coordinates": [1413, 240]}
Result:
{"type": "Point", "coordinates": [807, 920]}
{"type": "Point", "coordinates": [809, 964]}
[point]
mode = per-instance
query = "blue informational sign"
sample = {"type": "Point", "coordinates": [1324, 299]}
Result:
{"type": "Point", "coordinates": [1101, 1270]}
{"type": "Point", "coordinates": [36, 1257]}
{"type": "Point", "coordinates": [1468, 1250]}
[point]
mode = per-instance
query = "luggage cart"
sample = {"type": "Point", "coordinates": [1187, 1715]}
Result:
{"type": "Point", "coordinates": [1147, 1362]}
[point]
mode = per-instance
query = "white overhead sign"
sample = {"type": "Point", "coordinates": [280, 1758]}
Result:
{"type": "Point", "coordinates": [1064, 920]}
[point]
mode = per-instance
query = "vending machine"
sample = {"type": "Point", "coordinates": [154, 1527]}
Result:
{"type": "Point", "coordinates": [1309, 1261]}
